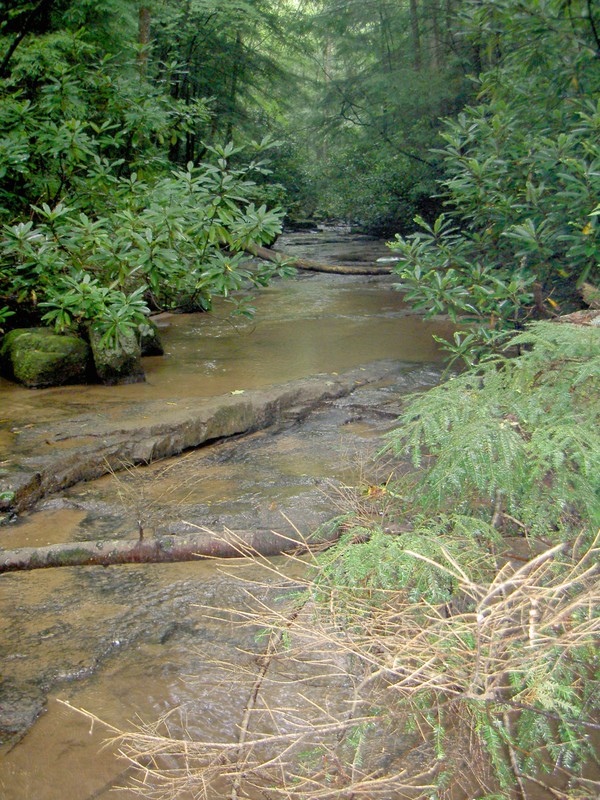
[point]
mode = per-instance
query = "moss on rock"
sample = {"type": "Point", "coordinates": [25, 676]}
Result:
{"type": "Point", "coordinates": [38, 357]}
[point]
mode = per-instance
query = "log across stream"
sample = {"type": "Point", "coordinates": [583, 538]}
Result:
{"type": "Point", "coordinates": [277, 256]}
{"type": "Point", "coordinates": [159, 550]}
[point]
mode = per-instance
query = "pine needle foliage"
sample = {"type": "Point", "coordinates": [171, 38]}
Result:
{"type": "Point", "coordinates": [384, 561]}
{"type": "Point", "coordinates": [518, 436]}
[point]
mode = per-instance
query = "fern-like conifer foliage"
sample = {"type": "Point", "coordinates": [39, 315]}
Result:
{"type": "Point", "coordinates": [518, 437]}
{"type": "Point", "coordinates": [480, 587]}
{"type": "Point", "coordinates": [446, 647]}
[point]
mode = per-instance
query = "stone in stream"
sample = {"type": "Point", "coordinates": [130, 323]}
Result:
{"type": "Point", "coordinates": [38, 357]}
{"type": "Point", "coordinates": [150, 340]}
{"type": "Point", "coordinates": [117, 365]}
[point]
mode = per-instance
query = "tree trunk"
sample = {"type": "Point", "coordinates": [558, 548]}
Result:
{"type": "Point", "coordinates": [416, 35]}
{"type": "Point", "coordinates": [275, 256]}
{"type": "Point", "coordinates": [185, 547]}
{"type": "Point", "coordinates": [322, 144]}
{"type": "Point", "coordinates": [437, 54]}
{"type": "Point", "coordinates": [233, 88]}
{"type": "Point", "coordinates": [144, 39]}
{"type": "Point", "coordinates": [42, 6]}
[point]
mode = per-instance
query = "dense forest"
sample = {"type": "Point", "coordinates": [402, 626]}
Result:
{"type": "Point", "coordinates": [146, 147]}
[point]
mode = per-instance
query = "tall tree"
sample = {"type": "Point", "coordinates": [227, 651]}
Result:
{"type": "Point", "coordinates": [415, 26]}
{"type": "Point", "coordinates": [223, 50]}
{"type": "Point", "coordinates": [144, 38]}
{"type": "Point", "coordinates": [382, 74]}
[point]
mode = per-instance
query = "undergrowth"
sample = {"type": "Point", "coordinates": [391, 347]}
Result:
{"type": "Point", "coordinates": [446, 647]}
{"type": "Point", "coordinates": [489, 551]}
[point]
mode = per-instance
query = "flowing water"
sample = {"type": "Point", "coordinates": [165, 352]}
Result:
{"type": "Point", "coordinates": [316, 323]}
{"type": "Point", "coordinates": [139, 640]}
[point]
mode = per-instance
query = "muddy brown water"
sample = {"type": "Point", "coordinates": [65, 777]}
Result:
{"type": "Point", "coordinates": [136, 641]}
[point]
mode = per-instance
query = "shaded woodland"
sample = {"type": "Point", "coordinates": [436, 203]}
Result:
{"type": "Point", "coordinates": [147, 148]}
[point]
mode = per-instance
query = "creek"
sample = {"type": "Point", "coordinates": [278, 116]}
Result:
{"type": "Point", "coordinates": [136, 641]}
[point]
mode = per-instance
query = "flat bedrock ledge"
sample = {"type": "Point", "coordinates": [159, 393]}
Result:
{"type": "Point", "coordinates": [30, 478]}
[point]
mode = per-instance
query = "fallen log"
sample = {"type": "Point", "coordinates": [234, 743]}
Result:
{"type": "Point", "coordinates": [276, 256]}
{"type": "Point", "coordinates": [587, 316]}
{"type": "Point", "coordinates": [169, 548]}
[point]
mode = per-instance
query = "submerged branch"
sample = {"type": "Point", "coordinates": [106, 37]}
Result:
{"type": "Point", "coordinates": [185, 547]}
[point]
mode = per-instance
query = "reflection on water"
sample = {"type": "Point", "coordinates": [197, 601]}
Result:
{"type": "Point", "coordinates": [43, 528]}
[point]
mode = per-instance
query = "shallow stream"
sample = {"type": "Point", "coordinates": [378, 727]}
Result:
{"type": "Point", "coordinates": [139, 640]}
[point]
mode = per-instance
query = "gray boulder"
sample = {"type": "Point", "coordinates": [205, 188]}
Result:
{"type": "Point", "coordinates": [38, 357]}
{"type": "Point", "coordinates": [120, 365]}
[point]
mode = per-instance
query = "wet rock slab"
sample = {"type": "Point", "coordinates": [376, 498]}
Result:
{"type": "Point", "coordinates": [95, 448]}
{"type": "Point", "coordinates": [68, 626]}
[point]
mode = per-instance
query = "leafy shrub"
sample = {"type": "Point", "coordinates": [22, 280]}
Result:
{"type": "Point", "coordinates": [116, 230]}
{"type": "Point", "coordinates": [523, 182]}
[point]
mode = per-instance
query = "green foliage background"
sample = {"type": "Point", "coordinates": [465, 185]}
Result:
{"type": "Point", "coordinates": [522, 184]}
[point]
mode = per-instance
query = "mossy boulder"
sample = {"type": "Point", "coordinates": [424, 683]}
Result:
{"type": "Point", "coordinates": [117, 365]}
{"type": "Point", "coordinates": [38, 357]}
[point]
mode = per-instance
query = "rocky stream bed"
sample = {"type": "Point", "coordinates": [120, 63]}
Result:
{"type": "Point", "coordinates": [258, 428]}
